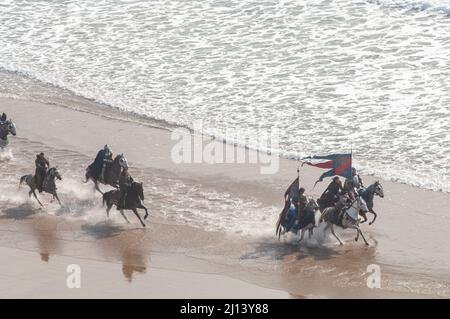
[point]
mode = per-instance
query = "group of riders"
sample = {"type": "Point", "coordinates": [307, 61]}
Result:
{"type": "Point", "coordinates": [296, 199]}
{"type": "Point", "coordinates": [128, 194]}
{"type": "Point", "coordinates": [298, 211]}
{"type": "Point", "coordinates": [97, 170]}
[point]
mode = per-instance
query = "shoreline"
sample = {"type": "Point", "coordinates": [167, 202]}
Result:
{"type": "Point", "coordinates": [74, 102]}
{"type": "Point", "coordinates": [220, 208]}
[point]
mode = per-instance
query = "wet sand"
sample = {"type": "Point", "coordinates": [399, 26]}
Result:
{"type": "Point", "coordinates": [408, 240]}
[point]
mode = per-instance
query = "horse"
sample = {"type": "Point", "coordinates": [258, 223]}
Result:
{"type": "Point", "coordinates": [310, 219]}
{"type": "Point", "coordinates": [133, 201]}
{"type": "Point", "coordinates": [48, 186]}
{"type": "Point", "coordinates": [6, 128]}
{"type": "Point", "coordinates": [368, 194]}
{"type": "Point", "coordinates": [112, 173]}
{"type": "Point", "coordinates": [349, 218]}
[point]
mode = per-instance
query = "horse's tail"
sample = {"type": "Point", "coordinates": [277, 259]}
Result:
{"type": "Point", "coordinates": [22, 180]}
{"type": "Point", "coordinates": [87, 175]}
{"type": "Point", "coordinates": [105, 198]}
{"type": "Point", "coordinates": [280, 220]}
{"type": "Point", "coordinates": [278, 227]}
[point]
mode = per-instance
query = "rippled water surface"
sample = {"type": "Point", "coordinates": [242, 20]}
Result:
{"type": "Point", "coordinates": [330, 75]}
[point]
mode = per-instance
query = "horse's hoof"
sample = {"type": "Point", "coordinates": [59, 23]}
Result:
{"type": "Point", "coordinates": [145, 217]}
{"type": "Point", "coordinates": [370, 223]}
{"type": "Point", "coordinates": [341, 244]}
{"type": "Point", "coordinates": [356, 239]}
{"type": "Point", "coordinates": [367, 244]}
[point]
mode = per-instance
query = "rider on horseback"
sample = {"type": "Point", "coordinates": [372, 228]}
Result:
{"type": "Point", "coordinates": [300, 204]}
{"type": "Point", "coordinates": [103, 158]}
{"type": "Point", "coordinates": [125, 182]}
{"type": "Point", "coordinates": [42, 164]}
{"type": "Point", "coordinates": [3, 119]}
{"type": "Point", "coordinates": [356, 180]}
{"type": "Point", "coordinates": [353, 185]}
{"type": "Point", "coordinates": [331, 194]}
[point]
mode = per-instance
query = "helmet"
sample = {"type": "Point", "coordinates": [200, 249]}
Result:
{"type": "Point", "coordinates": [107, 149]}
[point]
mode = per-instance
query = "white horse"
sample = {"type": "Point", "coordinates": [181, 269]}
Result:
{"type": "Point", "coordinates": [6, 128]}
{"type": "Point", "coordinates": [348, 218]}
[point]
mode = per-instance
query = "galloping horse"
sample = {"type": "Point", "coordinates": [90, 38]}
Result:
{"type": "Point", "coordinates": [48, 186]}
{"type": "Point", "coordinates": [347, 219]}
{"type": "Point", "coordinates": [368, 194]}
{"type": "Point", "coordinates": [133, 201]}
{"type": "Point", "coordinates": [112, 173]}
{"type": "Point", "coordinates": [6, 128]}
{"type": "Point", "coordinates": [310, 219]}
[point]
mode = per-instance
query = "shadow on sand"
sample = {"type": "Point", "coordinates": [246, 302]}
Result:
{"type": "Point", "coordinates": [24, 211]}
{"type": "Point", "coordinates": [279, 250]}
{"type": "Point", "coordinates": [102, 230]}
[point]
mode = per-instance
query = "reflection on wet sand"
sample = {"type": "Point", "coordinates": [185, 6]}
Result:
{"type": "Point", "coordinates": [133, 263]}
{"type": "Point", "coordinates": [45, 232]}
{"type": "Point", "coordinates": [116, 242]}
{"type": "Point", "coordinates": [312, 268]}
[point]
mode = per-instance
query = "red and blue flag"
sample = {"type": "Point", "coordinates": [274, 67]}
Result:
{"type": "Point", "coordinates": [339, 164]}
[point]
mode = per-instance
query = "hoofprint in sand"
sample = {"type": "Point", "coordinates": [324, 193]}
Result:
{"type": "Point", "coordinates": [209, 219]}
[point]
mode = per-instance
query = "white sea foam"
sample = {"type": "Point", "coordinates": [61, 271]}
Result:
{"type": "Point", "coordinates": [329, 75]}
{"type": "Point", "coordinates": [6, 155]}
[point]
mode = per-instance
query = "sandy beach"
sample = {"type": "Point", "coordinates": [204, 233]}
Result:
{"type": "Point", "coordinates": [211, 230]}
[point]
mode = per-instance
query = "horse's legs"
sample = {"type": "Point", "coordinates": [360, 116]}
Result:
{"type": "Point", "coordinates": [136, 213]}
{"type": "Point", "coordinates": [360, 232]}
{"type": "Point", "coordinates": [326, 227]}
{"type": "Point", "coordinates": [57, 198]}
{"type": "Point", "coordinates": [34, 194]}
{"type": "Point", "coordinates": [123, 215]}
{"type": "Point", "coordinates": [310, 233]}
{"type": "Point", "coordinates": [96, 187]}
{"type": "Point", "coordinates": [374, 216]}
{"type": "Point", "coordinates": [357, 235]}
{"type": "Point", "coordinates": [144, 208]}
{"type": "Point", "coordinates": [302, 235]}
{"type": "Point", "coordinates": [364, 215]}
{"type": "Point", "coordinates": [332, 231]}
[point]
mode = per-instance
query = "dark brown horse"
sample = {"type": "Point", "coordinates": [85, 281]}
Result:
{"type": "Point", "coordinates": [133, 201]}
{"type": "Point", "coordinates": [112, 173]}
{"type": "Point", "coordinates": [48, 186]}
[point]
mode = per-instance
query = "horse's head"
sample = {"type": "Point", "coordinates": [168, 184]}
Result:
{"type": "Point", "coordinates": [6, 128]}
{"type": "Point", "coordinates": [11, 127]}
{"type": "Point", "coordinates": [379, 189]}
{"type": "Point", "coordinates": [53, 173]}
{"type": "Point", "coordinates": [122, 161]}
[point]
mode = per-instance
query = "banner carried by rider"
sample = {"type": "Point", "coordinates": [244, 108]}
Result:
{"type": "Point", "coordinates": [339, 164]}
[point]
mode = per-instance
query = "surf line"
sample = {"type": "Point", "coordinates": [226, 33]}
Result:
{"type": "Point", "coordinates": [191, 309]}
